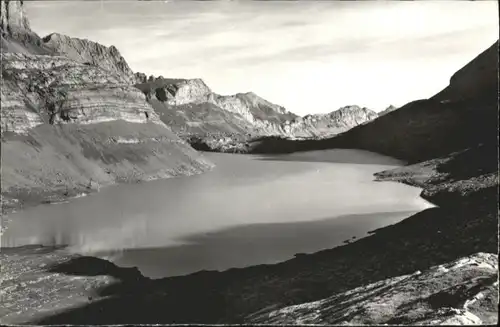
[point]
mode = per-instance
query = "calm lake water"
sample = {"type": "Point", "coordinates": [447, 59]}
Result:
{"type": "Point", "coordinates": [248, 210]}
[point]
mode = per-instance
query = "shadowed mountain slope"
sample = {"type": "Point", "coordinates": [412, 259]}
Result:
{"type": "Point", "coordinates": [462, 115]}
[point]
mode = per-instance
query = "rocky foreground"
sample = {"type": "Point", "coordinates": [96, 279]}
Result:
{"type": "Point", "coordinates": [458, 293]}
{"type": "Point", "coordinates": [39, 282]}
{"type": "Point", "coordinates": [32, 287]}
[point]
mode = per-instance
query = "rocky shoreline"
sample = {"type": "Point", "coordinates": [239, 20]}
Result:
{"type": "Point", "coordinates": [407, 299]}
{"type": "Point", "coordinates": [13, 202]}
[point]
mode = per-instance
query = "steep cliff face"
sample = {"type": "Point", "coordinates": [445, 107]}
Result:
{"type": "Point", "coordinates": [184, 106]}
{"type": "Point", "coordinates": [325, 125]}
{"type": "Point", "coordinates": [91, 53]}
{"type": "Point", "coordinates": [18, 37]}
{"type": "Point", "coordinates": [255, 109]}
{"type": "Point", "coordinates": [13, 18]}
{"type": "Point", "coordinates": [179, 91]}
{"type": "Point", "coordinates": [16, 34]}
{"type": "Point", "coordinates": [251, 112]}
{"type": "Point", "coordinates": [225, 123]}
{"type": "Point", "coordinates": [68, 126]}
{"type": "Point", "coordinates": [65, 124]}
{"type": "Point", "coordinates": [61, 90]}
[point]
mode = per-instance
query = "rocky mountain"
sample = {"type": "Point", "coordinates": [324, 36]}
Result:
{"type": "Point", "coordinates": [205, 119]}
{"type": "Point", "coordinates": [249, 110]}
{"type": "Point", "coordinates": [183, 105]}
{"type": "Point", "coordinates": [68, 126]}
{"type": "Point", "coordinates": [16, 34]}
{"type": "Point", "coordinates": [214, 122]}
{"type": "Point", "coordinates": [326, 125]}
{"type": "Point", "coordinates": [90, 53]}
{"type": "Point", "coordinates": [55, 88]}
{"type": "Point", "coordinates": [437, 266]}
{"type": "Point", "coordinates": [461, 116]}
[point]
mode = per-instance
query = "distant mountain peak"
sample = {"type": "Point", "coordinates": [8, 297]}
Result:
{"type": "Point", "coordinates": [387, 110]}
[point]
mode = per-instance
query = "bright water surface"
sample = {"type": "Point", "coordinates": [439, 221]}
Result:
{"type": "Point", "coordinates": [248, 210]}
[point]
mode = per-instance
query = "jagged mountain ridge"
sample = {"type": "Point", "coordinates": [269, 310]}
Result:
{"type": "Point", "coordinates": [248, 111]}
{"type": "Point", "coordinates": [251, 115]}
{"type": "Point", "coordinates": [18, 37]}
{"type": "Point", "coordinates": [66, 126]}
{"type": "Point", "coordinates": [92, 53]}
{"type": "Point", "coordinates": [77, 81]}
{"type": "Point", "coordinates": [325, 125]}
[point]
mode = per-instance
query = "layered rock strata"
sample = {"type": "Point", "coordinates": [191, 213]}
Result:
{"type": "Point", "coordinates": [68, 127]}
{"type": "Point", "coordinates": [91, 53]}
{"type": "Point", "coordinates": [210, 121]}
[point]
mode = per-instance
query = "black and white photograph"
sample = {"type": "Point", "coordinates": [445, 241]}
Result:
{"type": "Point", "coordinates": [244, 162]}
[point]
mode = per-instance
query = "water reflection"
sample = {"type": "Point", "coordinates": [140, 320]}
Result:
{"type": "Point", "coordinates": [281, 201]}
{"type": "Point", "coordinates": [247, 245]}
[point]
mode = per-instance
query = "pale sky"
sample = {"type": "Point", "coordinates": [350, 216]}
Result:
{"type": "Point", "coordinates": [308, 56]}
